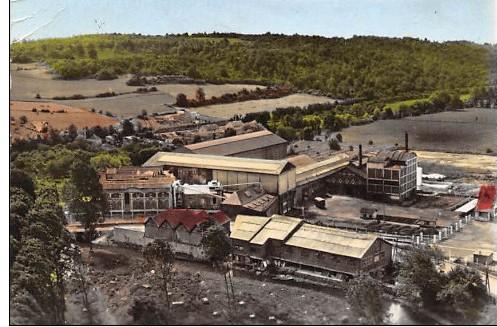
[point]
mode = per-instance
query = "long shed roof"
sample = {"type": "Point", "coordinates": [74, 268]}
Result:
{"type": "Point", "coordinates": [193, 160]}
{"type": "Point", "coordinates": [246, 227]}
{"type": "Point", "coordinates": [237, 144]}
{"type": "Point", "coordinates": [332, 240]}
{"type": "Point", "coordinates": [278, 228]}
{"type": "Point", "coordinates": [313, 171]}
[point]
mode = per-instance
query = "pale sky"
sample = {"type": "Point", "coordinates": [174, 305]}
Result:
{"type": "Point", "coordinates": [440, 20]}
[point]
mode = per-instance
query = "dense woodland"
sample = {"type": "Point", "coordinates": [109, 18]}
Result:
{"type": "Point", "coordinates": [359, 67]}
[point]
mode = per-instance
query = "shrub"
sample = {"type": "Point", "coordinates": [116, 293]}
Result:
{"type": "Point", "coordinates": [106, 74]}
{"type": "Point", "coordinates": [23, 120]}
{"type": "Point", "coordinates": [34, 110]}
{"type": "Point", "coordinates": [489, 150]}
{"type": "Point", "coordinates": [334, 145]}
{"type": "Point", "coordinates": [370, 142]}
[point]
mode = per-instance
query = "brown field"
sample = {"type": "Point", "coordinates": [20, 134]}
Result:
{"type": "Point", "coordinates": [36, 79]}
{"type": "Point", "coordinates": [239, 108]}
{"type": "Point", "coordinates": [56, 120]}
{"type": "Point", "coordinates": [469, 163]}
{"type": "Point", "coordinates": [464, 131]}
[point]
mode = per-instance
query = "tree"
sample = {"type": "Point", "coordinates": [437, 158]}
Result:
{"type": "Point", "coordinates": [109, 160]}
{"type": "Point", "coordinates": [92, 52]}
{"type": "Point", "coordinates": [229, 132]}
{"type": "Point", "coordinates": [464, 291]}
{"type": "Point", "coordinates": [419, 279]}
{"type": "Point", "coordinates": [36, 272]}
{"type": "Point", "coordinates": [160, 257]}
{"type": "Point", "coordinates": [22, 180]}
{"type": "Point", "coordinates": [128, 128]}
{"type": "Point", "coordinates": [366, 297]}
{"type": "Point", "coordinates": [85, 197]}
{"type": "Point", "coordinates": [334, 145]}
{"type": "Point", "coordinates": [339, 137]}
{"type": "Point", "coordinates": [218, 248]}
{"type": "Point", "coordinates": [287, 132]}
{"type": "Point", "coordinates": [181, 100]}
{"type": "Point", "coordinates": [200, 95]}
{"type": "Point", "coordinates": [308, 133]}
{"type": "Point", "coordinates": [72, 130]}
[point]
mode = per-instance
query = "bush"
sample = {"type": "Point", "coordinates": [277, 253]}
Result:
{"type": "Point", "coordinates": [489, 150]}
{"type": "Point", "coordinates": [34, 110]}
{"type": "Point", "coordinates": [334, 145]}
{"type": "Point", "coordinates": [339, 137]}
{"type": "Point", "coordinates": [370, 142]}
{"type": "Point", "coordinates": [23, 120]}
{"type": "Point", "coordinates": [106, 74]}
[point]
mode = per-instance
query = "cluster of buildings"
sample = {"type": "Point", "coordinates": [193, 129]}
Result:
{"type": "Point", "coordinates": [279, 211]}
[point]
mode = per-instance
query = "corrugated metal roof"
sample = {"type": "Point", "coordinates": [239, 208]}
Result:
{"type": "Point", "coordinates": [237, 144]}
{"type": "Point", "coordinates": [332, 240]}
{"type": "Point", "coordinates": [277, 229]}
{"type": "Point", "coordinates": [193, 160]}
{"type": "Point", "coordinates": [319, 169]}
{"type": "Point", "coordinates": [301, 160]}
{"type": "Point", "coordinates": [468, 206]}
{"type": "Point", "coordinates": [245, 227]}
{"type": "Point", "coordinates": [397, 155]}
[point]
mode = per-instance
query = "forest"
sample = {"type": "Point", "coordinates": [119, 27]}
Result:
{"type": "Point", "coordinates": [362, 67]}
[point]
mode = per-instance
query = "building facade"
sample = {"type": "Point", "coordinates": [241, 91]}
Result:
{"type": "Point", "coordinates": [184, 229]}
{"type": "Point", "coordinates": [288, 242]}
{"type": "Point", "coordinates": [392, 173]}
{"type": "Point", "coordinates": [276, 177]}
{"type": "Point", "coordinates": [133, 191]}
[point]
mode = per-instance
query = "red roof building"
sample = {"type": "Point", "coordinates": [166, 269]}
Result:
{"type": "Point", "coordinates": [189, 218]}
{"type": "Point", "coordinates": [486, 205]}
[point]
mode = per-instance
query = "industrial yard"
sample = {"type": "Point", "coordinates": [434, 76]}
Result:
{"type": "Point", "coordinates": [170, 171]}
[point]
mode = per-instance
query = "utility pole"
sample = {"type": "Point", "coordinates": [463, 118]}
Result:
{"type": "Point", "coordinates": [487, 279]}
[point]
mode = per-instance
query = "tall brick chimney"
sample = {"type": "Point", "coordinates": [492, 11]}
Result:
{"type": "Point", "coordinates": [407, 141]}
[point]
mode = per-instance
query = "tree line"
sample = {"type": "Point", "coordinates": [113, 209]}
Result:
{"type": "Point", "coordinates": [293, 123]}
{"type": "Point", "coordinates": [359, 67]}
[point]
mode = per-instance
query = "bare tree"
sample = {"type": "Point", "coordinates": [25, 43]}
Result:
{"type": "Point", "coordinates": [160, 257]}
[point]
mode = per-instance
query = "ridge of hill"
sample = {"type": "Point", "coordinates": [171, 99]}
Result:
{"type": "Point", "coordinates": [360, 67]}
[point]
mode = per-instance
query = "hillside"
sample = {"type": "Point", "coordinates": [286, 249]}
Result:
{"type": "Point", "coordinates": [361, 67]}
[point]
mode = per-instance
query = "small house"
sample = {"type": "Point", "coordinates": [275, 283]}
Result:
{"type": "Point", "coordinates": [486, 207]}
{"type": "Point", "coordinates": [484, 258]}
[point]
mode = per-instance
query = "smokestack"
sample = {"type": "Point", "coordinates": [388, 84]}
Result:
{"type": "Point", "coordinates": [407, 142]}
{"type": "Point", "coordinates": [360, 155]}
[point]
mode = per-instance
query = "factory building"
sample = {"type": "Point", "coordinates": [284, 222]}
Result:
{"type": "Point", "coordinates": [290, 243]}
{"type": "Point", "coordinates": [392, 173]}
{"type": "Point", "coordinates": [261, 144]}
{"type": "Point", "coordinates": [276, 177]}
{"type": "Point", "coordinates": [136, 191]}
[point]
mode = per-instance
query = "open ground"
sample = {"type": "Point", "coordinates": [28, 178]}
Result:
{"type": "Point", "coordinates": [59, 117]}
{"type": "Point", "coordinates": [28, 80]}
{"type": "Point", "coordinates": [463, 131]}
{"type": "Point", "coordinates": [115, 290]}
